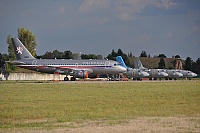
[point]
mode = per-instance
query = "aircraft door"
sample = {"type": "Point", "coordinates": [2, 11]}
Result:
{"type": "Point", "coordinates": [76, 64]}
{"type": "Point", "coordinates": [35, 64]}
{"type": "Point", "coordinates": [133, 74]}
{"type": "Point", "coordinates": [107, 64]}
{"type": "Point", "coordinates": [153, 72]}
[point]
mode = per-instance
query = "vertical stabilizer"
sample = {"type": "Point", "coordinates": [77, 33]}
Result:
{"type": "Point", "coordinates": [138, 63]}
{"type": "Point", "coordinates": [20, 50]}
{"type": "Point", "coordinates": [120, 60]}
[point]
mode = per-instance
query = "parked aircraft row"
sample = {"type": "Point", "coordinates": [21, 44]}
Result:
{"type": "Point", "coordinates": [143, 72]}
{"type": "Point", "coordinates": [89, 68]}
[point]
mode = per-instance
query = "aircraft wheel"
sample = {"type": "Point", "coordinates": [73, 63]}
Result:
{"type": "Point", "coordinates": [73, 79]}
{"type": "Point", "coordinates": [66, 79]}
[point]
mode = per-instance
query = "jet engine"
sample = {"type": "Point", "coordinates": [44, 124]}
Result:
{"type": "Point", "coordinates": [93, 75]}
{"type": "Point", "coordinates": [81, 74]}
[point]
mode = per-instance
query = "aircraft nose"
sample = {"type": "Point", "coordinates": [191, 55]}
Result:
{"type": "Point", "coordinates": [145, 74]}
{"type": "Point", "coordinates": [164, 74]}
{"type": "Point", "coordinates": [194, 74]}
{"type": "Point", "coordinates": [180, 74]}
{"type": "Point", "coordinates": [122, 69]}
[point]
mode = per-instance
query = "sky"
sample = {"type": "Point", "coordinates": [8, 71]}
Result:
{"type": "Point", "coordinates": [167, 27]}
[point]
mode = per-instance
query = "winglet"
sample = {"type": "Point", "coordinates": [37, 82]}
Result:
{"type": "Point", "coordinates": [20, 50]}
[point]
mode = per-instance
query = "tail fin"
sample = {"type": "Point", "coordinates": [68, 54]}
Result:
{"type": "Point", "coordinates": [20, 50]}
{"type": "Point", "coordinates": [138, 63]}
{"type": "Point", "coordinates": [120, 60]}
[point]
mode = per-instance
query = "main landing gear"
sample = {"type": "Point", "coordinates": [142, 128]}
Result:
{"type": "Point", "coordinates": [66, 79]}
{"type": "Point", "coordinates": [72, 78]}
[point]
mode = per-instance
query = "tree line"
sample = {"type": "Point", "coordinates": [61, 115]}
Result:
{"type": "Point", "coordinates": [29, 40]}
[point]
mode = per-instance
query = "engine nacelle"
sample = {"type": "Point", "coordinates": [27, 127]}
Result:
{"type": "Point", "coordinates": [81, 74]}
{"type": "Point", "coordinates": [93, 75]}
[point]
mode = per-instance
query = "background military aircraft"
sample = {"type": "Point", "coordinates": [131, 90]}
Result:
{"type": "Point", "coordinates": [153, 73]}
{"type": "Point", "coordinates": [187, 74]}
{"type": "Point", "coordinates": [172, 73]}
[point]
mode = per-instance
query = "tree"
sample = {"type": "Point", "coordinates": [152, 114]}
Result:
{"type": "Point", "coordinates": [100, 57]}
{"type": "Point", "coordinates": [3, 58]}
{"type": "Point", "coordinates": [11, 54]}
{"type": "Point", "coordinates": [48, 55]}
{"type": "Point", "coordinates": [113, 56]}
{"type": "Point", "coordinates": [91, 56]}
{"type": "Point", "coordinates": [195, 66]}
{"type": "Point", "coordinates": [67, 54]}
{"type": "Point", "coordinates": [198, 66]}
{"type": "Point", "coordinates": [143, 54]}
{"type": "Point", "coordinates": [161, 64]}
{"type": "Point", "coordinates": [76, 56]}
{"type": "Point", "coordinates": [11, 51]}
{"type": "Point", "coordinates": [130, 54]}
{"type": "Point", "coordinates": [119, 52]}
{"type": "Point", "coordinates": [188, 64]}
{"type": "Point", "coordinates": [57, 54]}
{"type": "Point", "coordinates": [113, 53]}
{"type": "Point", "coordinates": [1, 61]}
{"type": "Point", "coordinates": [177, 56]}
{"type": "Point", "coordinates": [162, 56]}
{"type": "Point", "coordinates": [28, 39]}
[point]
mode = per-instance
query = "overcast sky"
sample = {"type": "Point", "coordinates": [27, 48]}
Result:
{"type": "Point", "coordinates": [97, 26]}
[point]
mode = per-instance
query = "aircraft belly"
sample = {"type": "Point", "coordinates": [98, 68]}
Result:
{"type": "Point", "coordinates": [156, 76]}
{"type": "Point", "coordinates": [104, 71]}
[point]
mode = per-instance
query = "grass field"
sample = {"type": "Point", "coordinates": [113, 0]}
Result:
{"type": "Point", "coordinates": [48, 105]}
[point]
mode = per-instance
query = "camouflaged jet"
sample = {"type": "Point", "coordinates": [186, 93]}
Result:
{"type": "Point", "coordinates": [74, 68]}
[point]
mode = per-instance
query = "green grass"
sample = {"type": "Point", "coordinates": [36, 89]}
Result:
{"type": "Point", "coordinates": [44, 105]}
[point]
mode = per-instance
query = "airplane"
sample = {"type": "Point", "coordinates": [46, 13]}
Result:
{"type": "Point", "coordinates": [153, 73]}
{"type": "Point", "coordinates": [75, 68]}
{"type": "Point", "coordinates": [132, 73]}
{"type": "Point", "coordinates": [172, 73]}
{"type": "Point", "coordinates": [187, 74]}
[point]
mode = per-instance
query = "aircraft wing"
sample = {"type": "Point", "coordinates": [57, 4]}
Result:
{"type": "Point", "coordinates": [69, 69]}
{"type": "Point", "coordinates": [16, 62]}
